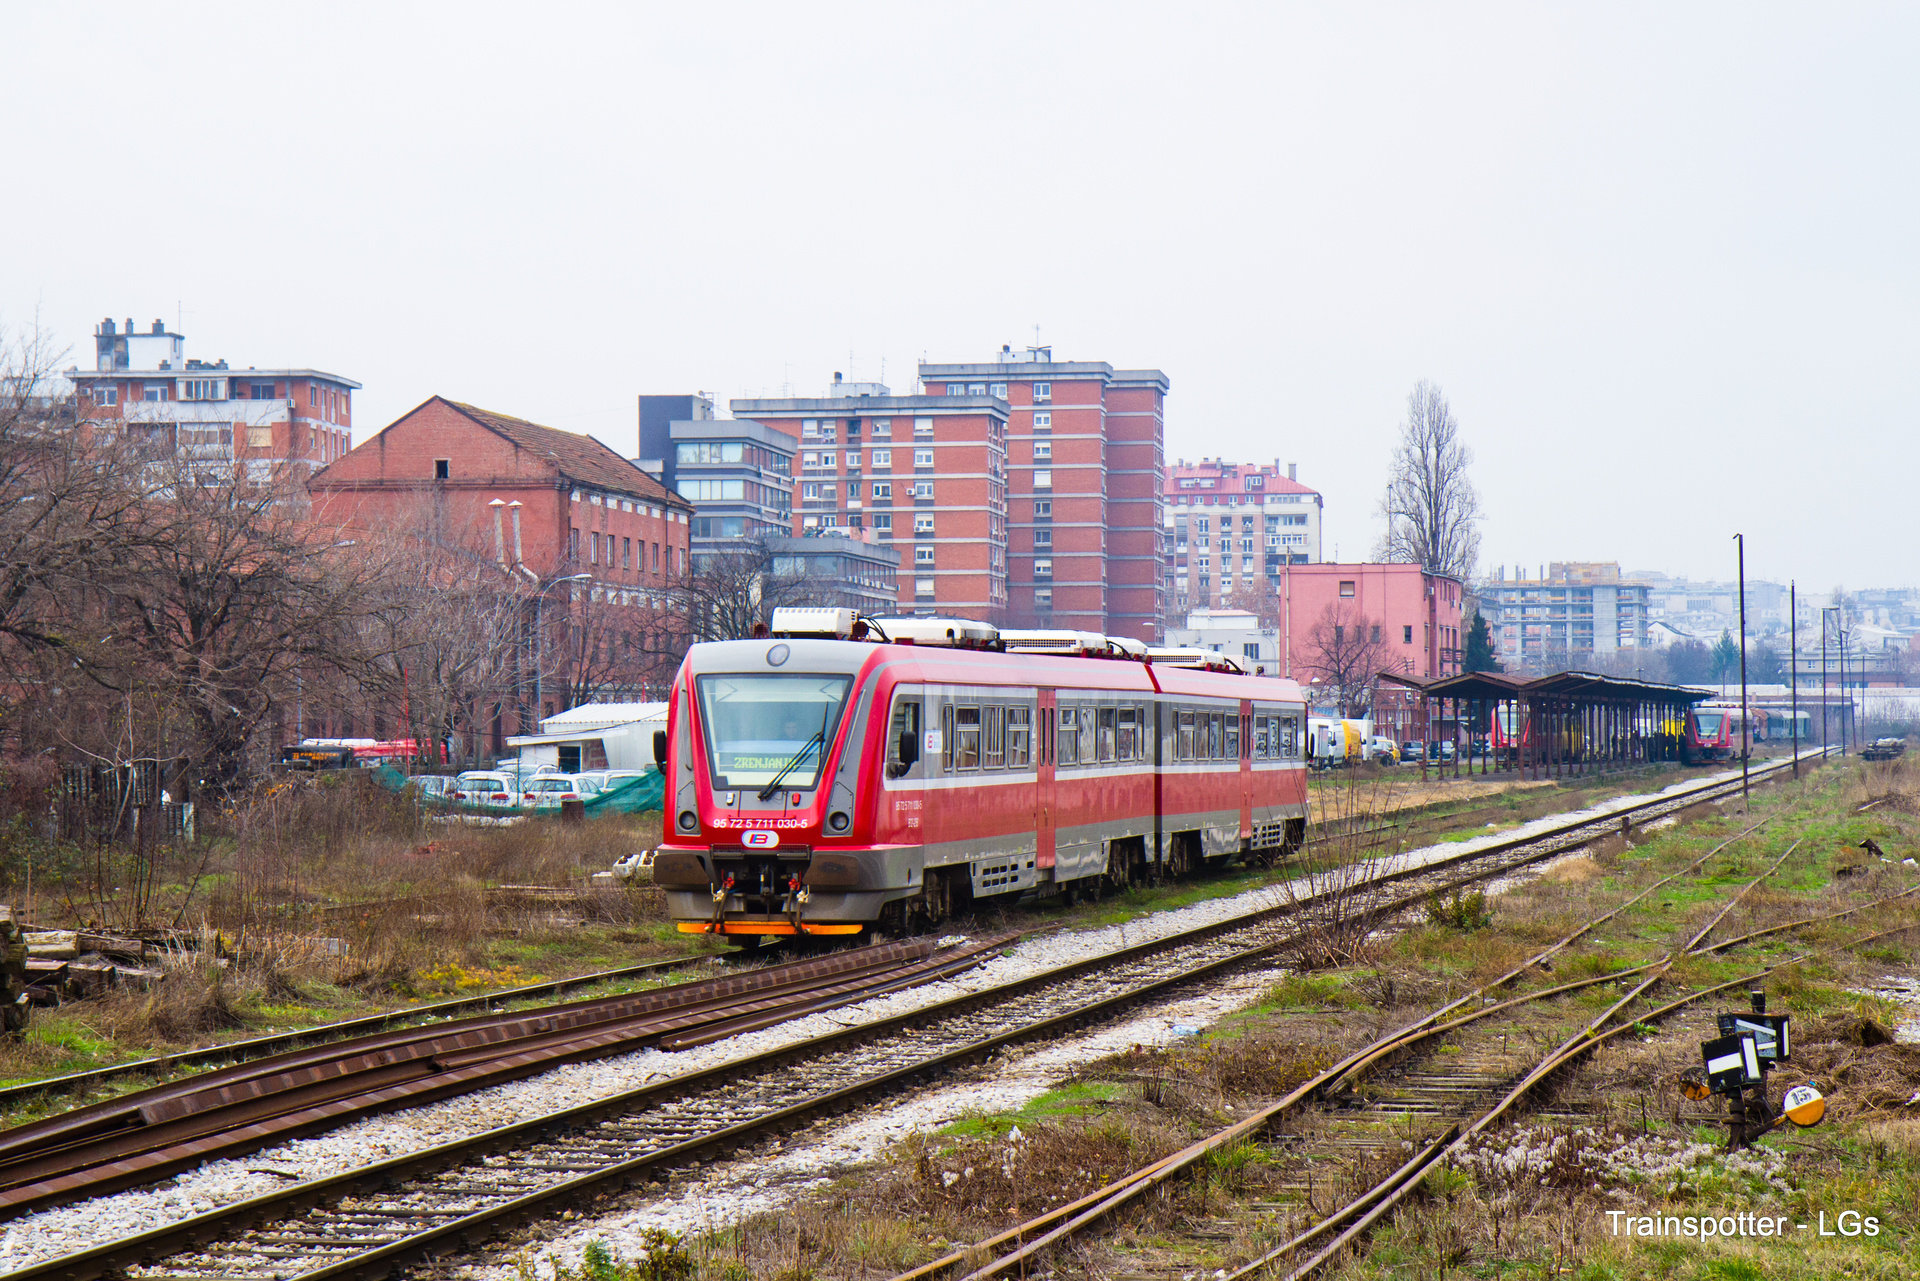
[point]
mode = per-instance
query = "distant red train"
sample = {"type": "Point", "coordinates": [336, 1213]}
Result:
{"type": "Point", "coordinates": [821, 784]}
{"type": "Point", "coordinates": [1714, 733]}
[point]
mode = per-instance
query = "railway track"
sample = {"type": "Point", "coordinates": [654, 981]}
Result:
{"type": "Point", "coordinates": [445, 1200]}
{"type": "Point", "coordinates": [1484, 1078]}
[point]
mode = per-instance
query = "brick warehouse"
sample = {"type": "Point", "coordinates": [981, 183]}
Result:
{"type": "Point", "coordinates": [925, 475]}
{"type": "Point", "coordinates": [1085, 457]}
{"type": "Point", "coordinates": [549, 502]}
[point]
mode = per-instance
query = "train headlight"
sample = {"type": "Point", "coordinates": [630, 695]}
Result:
{"type": "Point", "coordinates": [689, 821]}
{"type": "Point", "coordinates": [839, 821]}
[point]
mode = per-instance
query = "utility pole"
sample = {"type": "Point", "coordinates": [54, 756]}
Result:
{"type": "Point", "coordinates": [1746, 732]}
{"type": "Point", "coordinates": [1793, 665]}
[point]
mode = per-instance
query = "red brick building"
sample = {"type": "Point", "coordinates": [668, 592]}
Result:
{"type": "Point", "coordinates": [249, 425]}
{"type": "Point", "coordinates": [925, 475]}
{"type": "Point", "coordinates": [568, 504]}
{"type": "Point", "coordinates": [1085, 455]}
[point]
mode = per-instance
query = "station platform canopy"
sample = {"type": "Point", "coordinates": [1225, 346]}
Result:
{"type": "Point", "coordinates": [1566, 723]}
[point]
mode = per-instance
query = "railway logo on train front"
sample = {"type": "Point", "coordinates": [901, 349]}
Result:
{"type": "Point", "coordinates": [760, 839]}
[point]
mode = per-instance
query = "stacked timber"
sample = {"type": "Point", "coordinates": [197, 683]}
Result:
{"type": "Point", "coordinates": [71, 965]}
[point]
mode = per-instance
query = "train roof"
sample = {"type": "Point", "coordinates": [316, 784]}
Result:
{"type": "Point", "coordinates": [911, 660]}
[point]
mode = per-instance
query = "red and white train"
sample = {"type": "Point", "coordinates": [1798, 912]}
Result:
{"type": "Point", "coordinates": [849, 772]}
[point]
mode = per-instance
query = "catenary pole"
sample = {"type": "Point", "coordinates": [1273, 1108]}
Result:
{"type": "Point", "coordinates": [1746, 732]}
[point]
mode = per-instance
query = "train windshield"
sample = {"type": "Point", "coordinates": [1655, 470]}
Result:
{"type": "Point", "coordinates": [756, 726]}
{"type": "Point", "coordinates": [1709, 723]}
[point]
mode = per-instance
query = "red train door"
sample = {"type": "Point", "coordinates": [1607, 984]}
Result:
{"type": "Point", "coordinates": [1047, 722]}
{"type": "Point", "coordinates": [1245, 766]}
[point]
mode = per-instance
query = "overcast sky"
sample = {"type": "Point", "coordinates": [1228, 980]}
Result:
{"type": "Point", "coordinates": [1662, 258]}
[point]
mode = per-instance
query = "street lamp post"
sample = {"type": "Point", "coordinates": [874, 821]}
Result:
{"type": "Point", "coordinates": [540, 643]}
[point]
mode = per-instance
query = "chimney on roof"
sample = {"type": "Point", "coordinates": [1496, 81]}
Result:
{"type": "Point", "coordinates": [1293, 471]}
{"type": "Point", "coordinates": [499, 533]}
{"type": "Point", "coordinates": [129, 324]}
{"type": "Point", "coordinates": [107, 327]}
{"type": "Point", "coordinates": [514, 507]}
{"type": "Point", "coordinates": [159, 326]}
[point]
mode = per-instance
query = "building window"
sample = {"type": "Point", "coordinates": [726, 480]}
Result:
{"type": "Point", "coordinates": [923, 458]}
{"type": "Point", "coordinates": [1043, 510]}
{"type": "Point", "coordinates": [1406, 634]}
{"type": "Point", "coordinates": [573, 544]}
{"type": "Point", "coordinates": [923, 426]}
{"type": "Point", "coordinates": [882, 489]}
{"type": "Point", "coordinates": [810, 429]}
{"type": "Point", "coordinates": [826, 458]}
{"type": "Point", "coordinates": [883, 521]}
{"type": "Point", "coordinates": [923, 587]}
{"type": "Point", "coordinates": [203, 389]}
{"type": "Point", "coordinates": [810, 460]}
{"type": "Point", "coordinates": [1043, 598]}
{"type": "Point", "coordinates": [1042, 393]}
{"type": "Point", "coordinates": [826, 491]}
{"type": "Point", "coordinates": [441, 468]}
{"type": "Point", "coordinates": [853, 460]}
{"type": "Point", "coordinates": [923, 555]}
{"type": "Point", "coordinates": [997, 389]}
{"type": "Point", "coordinates": [1043, 480]}
{"type": "Point", "coordinates": [810, 490]}
{"type": "Point", "coordinates": [923, 524]}
{"type": "Point", "coordinates": [260, 391]}
{"type": "Point", "coordinates": [923, 489]}
{"type": "Point", "coordinates": [1346, 587]}
{"type": "Point", "coordinates": [1043, 421]}
{"type": "Point", "coordinates": [1042, 538]}
{"type": "Point", "coordinates": [883, 458]}
{"type": "Point", "coordinates": [154, 391]}
{"type": "Point", "coordinates": [1376, 634]}
{"type": "Point", "coordinates": [1042, 451]}
{"type": "Point", "coordinates": [1043, 569]}
{"type": "Point", "coordinates": [883, 426]}
{"type": "Point", "coordinates": [105, 395]}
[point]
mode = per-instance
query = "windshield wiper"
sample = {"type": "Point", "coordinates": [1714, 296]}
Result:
{"type": "Point", "coordinates": [773, 784]}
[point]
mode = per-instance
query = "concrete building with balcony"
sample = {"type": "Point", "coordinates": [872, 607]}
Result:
{"type": "Point", "coordinates": [1572, 608]}
{"type": "Point", "coordinates": [843, 570]}
{"type": "Point", "coordinates": [923, 475]}
{"type": "Point", "coordinates": [1084, 451]}
{"type": "Point", "coordinates": [1232, 527]}
{"type": "Point", "coordinates": [253, 426]}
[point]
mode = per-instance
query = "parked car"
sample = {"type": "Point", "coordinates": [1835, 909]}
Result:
{"type": "Point", "coordinates": [1412, 750]}
{"type": "Point", "coordinates": [483, 787]}
{"type": "Point", "coordinates": [546, 791]}
{"type": "Point", "coordinates": [612, 778]}
{"type": "Point", "coordinates": [1441, 749]}
{"type": "Point", "coordinates": [432, 787]}
{"type": "Point", "coordinates": [1384, 749]}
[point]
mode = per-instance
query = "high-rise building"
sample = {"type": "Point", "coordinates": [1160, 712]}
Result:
{"type": "Point", "coordinates": [1574, 608]}
{"type": "Point", "coordinates": [1231, 527]}
{"type": "Point", "coordinates": [1085, 448]}
{"type": "Point", "coordinates": [925, 475]}
{"type": "Point", "coordinates": [253, 426]}
{"type": "Point", "coordinates": [738, 474]}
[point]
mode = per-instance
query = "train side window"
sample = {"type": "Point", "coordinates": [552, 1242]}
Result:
{"type": "Point", "coordinates": [966, 751]}
{"type": "Point", "coordinates": [946, 738]}
{"type": "Point", "coordinates": [1213, 737]}
{"type": "Point", "coordinates": [1183, 740]}
{"type": "Point", "coordinates": [994, 737]}
{"type": "Point", "coordinates": [1085, 721]}
{"type": "Point", "coordinates": [1288, 748]}
{"type": "Point", "coordinates": [1128, 746]}
{"type": "Point", "coordinates": [1260, 737]}
{"type": "Point", "coordinates": [904, 730]}
{"type": "Point", "coordinates": [1066, 743]}
{"type": "Point", "coordinates": [1108, 721]}
{"type": "Point", "coordinates": [1230, 745]}
{"type": "Point", "coordinates": [1019, 736]}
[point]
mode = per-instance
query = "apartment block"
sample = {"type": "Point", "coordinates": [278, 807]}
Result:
{"type": "Point", "coordinates": [1085, 454]}
{"type": "Point", "coordinates": [1573, 608]}
{"type": "Point", "coordinates": [250, 425]}
{"type": "Point", "coordinates": [925, 475]}
{"type": "Point", "coordinates": [1231, 527]}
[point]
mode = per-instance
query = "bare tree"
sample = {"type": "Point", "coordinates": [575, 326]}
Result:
{"type": "Point", "coordinates": [1347, 651]}
{"type": "Point", "coordinates": [1431, 508]}
{"type": "Point", "coordinates": [1256, 597]}
{"type": "Point", "coordinates": [618, 644]}
{"type": "Point", "coordinates": [728, 594]}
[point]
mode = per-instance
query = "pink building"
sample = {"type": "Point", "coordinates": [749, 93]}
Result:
{"type": "Point", "coordinates": [1414, 617]}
